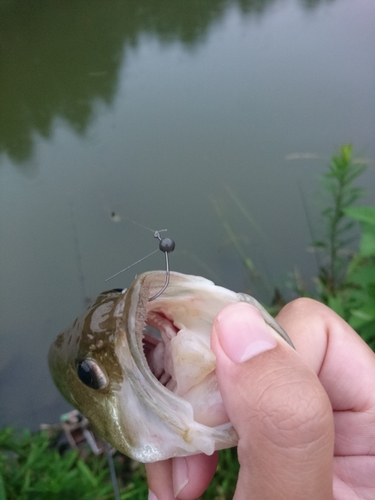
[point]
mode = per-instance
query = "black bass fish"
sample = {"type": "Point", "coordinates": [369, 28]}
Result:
{"type": "Point", "coordinates": [143, 372]}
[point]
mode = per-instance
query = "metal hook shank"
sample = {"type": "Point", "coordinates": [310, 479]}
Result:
{"type": "Point", "coordinates": [166, 279]}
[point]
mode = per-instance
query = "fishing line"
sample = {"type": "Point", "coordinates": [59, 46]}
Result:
{"type": "Point", "coordinates": [131, 265]}
{"type": "Point", "coordinates": [112, 471]}
{"type": "Point", "coordinates": [148, 228]}
{"type": "Point", "coordinates": [166, 245]}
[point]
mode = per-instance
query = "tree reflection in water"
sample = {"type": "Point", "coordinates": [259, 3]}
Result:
{"type": "Point", "coordinates": [58, 59]}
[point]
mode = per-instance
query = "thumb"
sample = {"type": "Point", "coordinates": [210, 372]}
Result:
{"type": "Point", "coordinates": [278, 407]}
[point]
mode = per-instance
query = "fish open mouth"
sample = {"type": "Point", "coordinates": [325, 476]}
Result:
{"type": "Point", "coordinates": [175, 343]}
{"type": "Point", "coordinates": [169, 338]}
{"type": "Point", "coordinates": [157, 335]}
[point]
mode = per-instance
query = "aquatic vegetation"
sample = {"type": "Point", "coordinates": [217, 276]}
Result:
{"type": "Point", "coordinates": [342, 193]}
{"type": "Point", "coordinates": [346, 280]}
{"type": "Point", "coordinates": [354, 300]}
{"type": "Point", "coordinates": [345, 251]}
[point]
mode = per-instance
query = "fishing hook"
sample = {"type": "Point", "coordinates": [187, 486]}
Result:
{"type": "Point", "coordinates": [166, 245]}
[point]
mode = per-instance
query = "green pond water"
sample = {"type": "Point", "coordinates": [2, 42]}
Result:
{"type": "Point", "coordinates": [172, 114]}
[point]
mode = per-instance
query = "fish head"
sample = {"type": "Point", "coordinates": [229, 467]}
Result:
{"type": "Point", "coordinates": [143, 371]}
{"type": "Point", "coordinates": [84, 363]}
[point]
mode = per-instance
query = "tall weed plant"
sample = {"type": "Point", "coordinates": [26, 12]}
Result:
{"type": "Point", "coordinates": [346, 280]}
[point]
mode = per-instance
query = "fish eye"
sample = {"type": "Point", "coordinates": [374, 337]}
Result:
{"type": "Point", "coordinates": [90, 374]}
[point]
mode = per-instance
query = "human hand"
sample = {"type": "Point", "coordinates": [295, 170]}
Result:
{"type": "Point", "coordinates": [305, 418]}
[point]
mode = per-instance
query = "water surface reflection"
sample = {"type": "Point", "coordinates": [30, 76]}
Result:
{"type": "Point", "coordinates": [58, 59]}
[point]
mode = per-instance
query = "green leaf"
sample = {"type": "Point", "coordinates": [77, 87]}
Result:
{"type": "Point", "coordinates": [86, 472]}
{"type": "Point", "coordinates": [319, 244]}
{"type": "Point", "coordinates": [367, 332]}
{"type": "Point", "coordinates": [356, 171]}
{"type": "Point", "coordinates": [352, 196]}
{"type": "Point", "coordinates": [368, 310]}
{"type": "Point", "coordinates": [371, 291]}
{"type": "Point", "coordinates": [360, 318]}
{"type": "Point", "coordinates": [362, 214]}
{"type": "Point", "coordinates": [354, 264]}
{"type": "Point", "coordinates": [337, 305]}
{"type": "Point", "coordinates": [363, 276]}
{"type": "Point", "coordinates": [249, 264]}
{"type": "Point", "coordinates": [346, 152]}
{"type": "Point", "coordinates": [367, 244]}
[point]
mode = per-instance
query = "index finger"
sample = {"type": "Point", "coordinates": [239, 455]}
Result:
{"type": "Point", "coordinates": [342, 360]}
{"type": "Point", "coordinates": [345, 366]}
